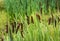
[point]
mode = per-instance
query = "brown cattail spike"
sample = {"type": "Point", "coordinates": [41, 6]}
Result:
{"type": "Point", "coordinates": [32, 21]}
{"type": "Point", "coordinates": [38, 16]}
{"type": "Point", "coordinates": [55, 23]}
{"type": "Point", "coordinates": [49, 21]}
{"type": "Point", "coordinates": [21, 29]}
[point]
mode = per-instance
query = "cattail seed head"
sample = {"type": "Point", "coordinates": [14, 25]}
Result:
{"type": "Point", "coordinates": [49, 21]}
{"type": "Point", "coordinates": [38, 16]}
{"type": "Point", "coordinates": [32, 21]}
{"type": "Point", "coordinates": [21, 29]}
{"type": "Point", "coordinates": [55, 23]}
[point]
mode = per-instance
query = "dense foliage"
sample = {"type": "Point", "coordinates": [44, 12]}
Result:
{"type": "Point", "coordinates": [30, 20]}
{"type": "Point", "coordinates": [28, 6]}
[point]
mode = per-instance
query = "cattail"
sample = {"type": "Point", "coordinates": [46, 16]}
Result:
{"type": "Point", "coordinates": [17, 27]}
{"type": "Point", "coordinates": [21, 26]}
{"type": "Point", "coordinates": [55, 23]}
{"type": "Point", "coordinates": [32, 21]}
{"type": "Point", "coordinates": [38, 16]}
{"type": "Point", "coordinates": [21, 29]}
{"type": "Point", "coordinates": [28, 21]}
{"type": "Point", "coordinates": [6, 28]}
{"type": "Point", "coordinates": [22, 33]}
{"type": "Point", "coordinates": [58, 19]}
{"type": "Point", "coordinates": [49, 21]}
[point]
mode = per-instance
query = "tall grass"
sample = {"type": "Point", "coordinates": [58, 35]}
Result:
{"type": "Point", "coordinates": [37, 32]}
